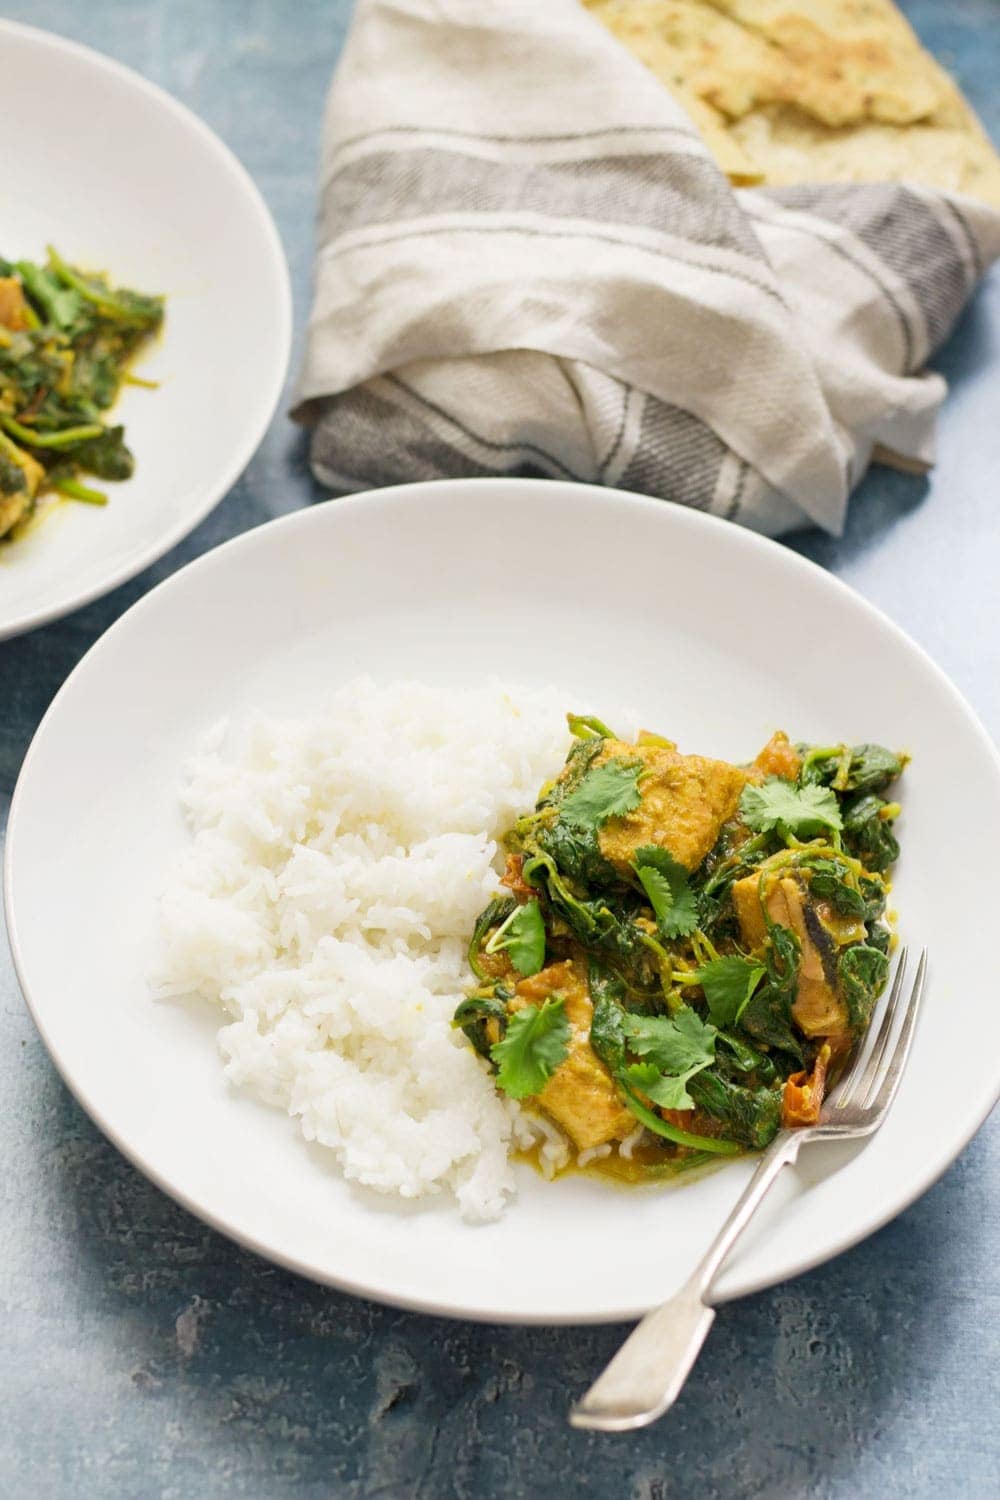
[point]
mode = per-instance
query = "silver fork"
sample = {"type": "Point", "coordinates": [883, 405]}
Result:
{"type": "Point", "coordinates": [647, 1374]}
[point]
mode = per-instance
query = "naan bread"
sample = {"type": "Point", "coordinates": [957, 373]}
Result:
{"type": "Point", "coordinates": [810, 90]}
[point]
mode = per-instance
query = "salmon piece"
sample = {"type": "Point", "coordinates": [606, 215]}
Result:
{"type": "Point", "coordinates": [581, 1095]}
{"type": "Point", "coordinates": [685, 801]}
{"type": "Point", "coordinates": [749, 914]}
{"type": "Point", "coordinates": [818, 1009]}
{"type": "Point", "coordinates": [13, 310]}
{"type": "Point", "coordinates": [779, 757]}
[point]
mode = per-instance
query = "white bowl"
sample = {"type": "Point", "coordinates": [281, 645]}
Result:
{"type": "Point", "coordinates": [120, 177]}
{"type": "Point", "coordinates": [713, 635]}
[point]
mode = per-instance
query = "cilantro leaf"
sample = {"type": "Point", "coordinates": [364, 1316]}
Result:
{"type": "Point", "coordinates": [607, 1037]}
{"type": "Point", "coordinates": [675, 1048]}
{"type": "Point", "coordinates": [666, 885]}
{"type": "Point", "coordinates": [728, 984]}
{"type": "Point", "coordinates": [798, 812]}
{"type": "Point", "coordinates": [607, 791]}
{"type": "Point", "coordinates": [674, 1044]}
{"type": "Point", "coordinates": [536, 1042]}
{"type": "Point", "coordinates": [522, 935]}
{"type": "Point", "coordinates": [667, 1092]}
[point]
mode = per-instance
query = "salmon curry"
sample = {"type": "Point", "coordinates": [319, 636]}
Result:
{"type": "Point", "coordinates": [687, 951]}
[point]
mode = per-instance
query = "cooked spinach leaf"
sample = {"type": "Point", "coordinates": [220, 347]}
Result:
{"type": "Point", "coordinates": [862, 971]}
{"type": "Point", "coordinates": [740, 1057]}
{"type": "Point", "coordinates": [873, 891]}
{"type": "Point", "coordinates": [473, 1014]}
{"type": "Point", "coordinates": [587, 919]}
{"type": "Point", "coordinates": [872, 768]}
{"type": "Point", "coordinates": [829, 880]}
{"type": "Point", "coordinates": [728, 984]}
{"type": "Point", "coordinates": [879, 937]}
{"type": "Point", "coordinates": [106, 455]}
{"type": "Point", "coordinates": [846, 768]}
{"type": "Point", "coordinates": [576, 852]}
{"type": "Point", "coordinates": [868, 831]}
{"type": "Point", "coordinates": [751, 1115]}
{"type": "Point", "coordinates": [497, 912]}
{"type": "Point", "coordinates": [768, 1014]}
{"type": "Point", "coordinates": [607, 1026]}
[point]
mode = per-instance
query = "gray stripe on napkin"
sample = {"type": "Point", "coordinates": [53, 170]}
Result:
{"type": "Point", "coordinates": [676, 455]}
{"type": "Point", "coordinates": [734, 502]}
{"type": "Point", "coordinates": [902, 230]}
{"type": "Point", "coordinates": [517, 452]}
{"type": "Point", "coordinates": [958, 218]}
{"type": "Point", "coordinates": [678, 193]}
{"type": "Point", "coordinates": [388, 235]}
{"type": "Point", "coordinates": [627, 394]}
{"type": "Point", "coordinates": [547, 138]}
{"type": "Point", "coordinates": [363, 440]}
{"type": "Point", "coordinates": [911, 340]}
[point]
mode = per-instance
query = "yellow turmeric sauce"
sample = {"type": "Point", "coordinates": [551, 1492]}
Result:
{"type": "Point", "coordinates": [648, 1163]}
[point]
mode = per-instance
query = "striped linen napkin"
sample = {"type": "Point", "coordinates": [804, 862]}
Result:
{"type": "Point", "coordinates": [529, 264]}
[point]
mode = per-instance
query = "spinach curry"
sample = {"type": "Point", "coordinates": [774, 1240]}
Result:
{"type": "Point", "coordinates": [66, 340]}
{"type": "Point", "coordinates": [688, 950]}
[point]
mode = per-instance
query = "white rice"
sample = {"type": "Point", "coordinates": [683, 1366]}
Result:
{"type": "Point", "coordinates": [325, 904]}
{"type": "Point", "coordinates": [593, 1153]}
{"type": "Point", "coordinates": [628, 1145]}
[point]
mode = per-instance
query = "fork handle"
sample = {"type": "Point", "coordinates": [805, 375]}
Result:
{"type": "Point", "coordinates": [647, 1374]}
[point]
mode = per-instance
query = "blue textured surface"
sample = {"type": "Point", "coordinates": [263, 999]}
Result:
{"type": "Point", "coordinates": [141, 1355]}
